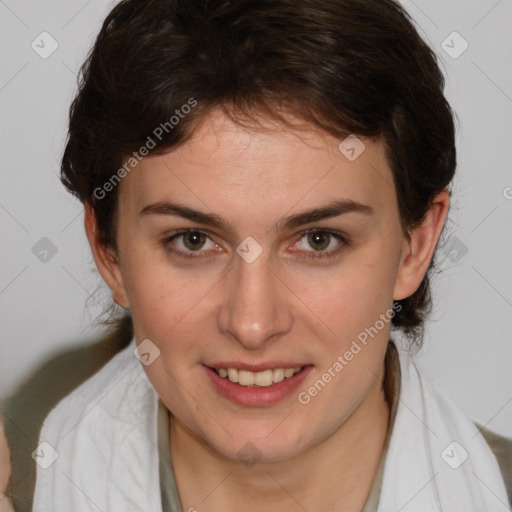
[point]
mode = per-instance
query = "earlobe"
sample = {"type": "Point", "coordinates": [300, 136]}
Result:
{"type": "Point", "coordinates": [418, 251]}
{"type": "Point", "coordinates": [106, 259]}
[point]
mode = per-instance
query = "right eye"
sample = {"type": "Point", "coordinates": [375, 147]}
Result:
{"type": "Point", "coordinates": [189, 241]}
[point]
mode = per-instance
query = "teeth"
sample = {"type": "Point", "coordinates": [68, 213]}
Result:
{"type": "Point", "coordinates": [245, 378]}
{"type": "Point", "coordinates": [278, 374]}
{"type": "Point", "coordinates": [289, 372]}
{"type": "Point", "coordinates": [264, 378]}
{"type": "Point", "coordinates": [233, 374]}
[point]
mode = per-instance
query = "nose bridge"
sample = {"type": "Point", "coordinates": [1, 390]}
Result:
{"type": "Point", "coordinates": [254, 311]}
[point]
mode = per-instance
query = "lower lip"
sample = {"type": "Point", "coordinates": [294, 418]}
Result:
{"type": "Point", "coordinates": [254, 395]}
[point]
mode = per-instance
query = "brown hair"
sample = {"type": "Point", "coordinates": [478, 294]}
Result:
{"type": "Point", "coordinates": [347, 66]}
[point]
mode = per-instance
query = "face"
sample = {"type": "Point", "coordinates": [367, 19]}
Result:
{"type": "Point", "coordinates": [263, 250]}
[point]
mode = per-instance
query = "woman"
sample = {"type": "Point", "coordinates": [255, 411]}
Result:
{"type": "Point", "coordinates": [265, 184]}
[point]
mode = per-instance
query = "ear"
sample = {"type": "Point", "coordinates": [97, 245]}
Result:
{"type": "Point", "coordinates": [417, 252]}
{"type": "Point", "coordinates": [106, 259]}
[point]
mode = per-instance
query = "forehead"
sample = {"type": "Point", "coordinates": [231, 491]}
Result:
{"type": "Point", "coordinates": [267, 169]}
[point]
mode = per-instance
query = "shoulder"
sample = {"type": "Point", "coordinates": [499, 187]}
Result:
{"type": "Point", "coordinates": [29, 405]}
{"type": "Point", "coordinates": [502, 449]}
{"type": "Point", "coordinates": [109, 424]}
{"type": "Point", "coordinates": [103, 391]}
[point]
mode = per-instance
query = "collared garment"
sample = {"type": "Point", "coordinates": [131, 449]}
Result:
{"type": "Point", "coordinates": [111, 437]}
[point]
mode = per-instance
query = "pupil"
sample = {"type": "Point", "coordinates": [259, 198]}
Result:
{"type": "Point", "coordinates": [319, 240]}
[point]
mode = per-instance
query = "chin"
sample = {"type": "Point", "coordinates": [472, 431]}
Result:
{"type": "Point", "coordinates": [252, 446]}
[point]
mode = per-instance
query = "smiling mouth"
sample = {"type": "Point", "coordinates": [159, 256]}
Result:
{"type": "Point", "coordinates": [264, 379]}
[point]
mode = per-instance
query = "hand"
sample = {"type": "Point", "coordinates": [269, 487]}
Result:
{"type": "Point", "coordinates": [5, 472]}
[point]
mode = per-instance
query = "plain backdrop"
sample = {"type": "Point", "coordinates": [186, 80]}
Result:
{"type": "Point", "coordinates": [49, 300]}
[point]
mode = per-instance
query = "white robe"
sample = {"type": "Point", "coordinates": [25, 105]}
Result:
{"type": "Point", "coordinates": [103, 437]}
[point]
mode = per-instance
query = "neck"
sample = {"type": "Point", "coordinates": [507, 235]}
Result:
{"type": "Point", "coordinates": [336, 473]}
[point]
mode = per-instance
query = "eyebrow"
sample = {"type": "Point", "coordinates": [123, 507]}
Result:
{"type": "Point", "coordinates": [333, 209]}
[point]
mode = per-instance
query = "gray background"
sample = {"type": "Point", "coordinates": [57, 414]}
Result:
{"type": "Point", "coordinates": [49, 305]}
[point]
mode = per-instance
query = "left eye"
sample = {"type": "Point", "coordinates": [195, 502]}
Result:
{"type": "Point", "coordinates": [319, 241]}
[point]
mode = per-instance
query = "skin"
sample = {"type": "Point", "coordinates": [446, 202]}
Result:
{"type": "Point", "coordinates": [284, 306]}
{"type": "Point", "coordinates": [5, 472]}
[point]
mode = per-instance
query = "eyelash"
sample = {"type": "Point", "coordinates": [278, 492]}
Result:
{"type": "Point", "coordinates": [313, 255]}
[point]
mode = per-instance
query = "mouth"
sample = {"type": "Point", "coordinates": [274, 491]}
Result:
{"type": "Point", "coordinates": [257, 388]}
{"type": "Point", "coordinates": [264, 378]}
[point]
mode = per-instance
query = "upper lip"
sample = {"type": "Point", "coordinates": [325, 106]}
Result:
{"type": "Point", "coordinates": [271, 365]}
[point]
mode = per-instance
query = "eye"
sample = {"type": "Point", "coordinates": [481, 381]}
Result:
{"type": "Point", "coordinates": [187, 242]}
{"type": "Point", "coordinates": [322, 243]}
{"type": "Point", "coordinates": [193, 243]}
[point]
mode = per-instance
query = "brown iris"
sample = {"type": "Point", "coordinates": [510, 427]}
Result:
{"type": "Point", "coordinates": [194, 240]}
{"type": "Point", "coordinates": [319, 240]}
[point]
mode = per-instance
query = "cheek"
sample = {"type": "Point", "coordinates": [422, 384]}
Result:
{"type": "Point", "coordinates": [161, 296]}
{"type": "Point", "coordinates": [352, 296]}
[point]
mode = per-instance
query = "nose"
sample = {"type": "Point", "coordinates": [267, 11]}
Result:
{"type": "Point", "coordinates": [254, 311]}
